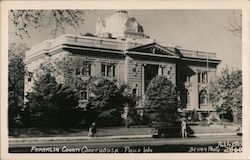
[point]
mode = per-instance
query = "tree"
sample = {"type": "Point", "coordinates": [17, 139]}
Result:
{"type": "Point", "coordinates": [18, 49]}
{"type": "Point", "coordinates": [23, 20]}
{"type": "Point", "coordinates": [51, 104]}
{"type": "Point", "coordinates": [226, 95]}
{"type": "Point", "coordinates": [16, 82]}
{"type": "Point", "coordinates": [130, 100]}
{"type": "Point", "coordinates": [161, 102]}
{"type": "Point", "coordinates": [68, 66]}
{"type": "Point", "coordinates": [74, 72]}
{"type": "Point", "coordinates": [235, 24]}
{"type": "Point", "coordinates": [107, 102]}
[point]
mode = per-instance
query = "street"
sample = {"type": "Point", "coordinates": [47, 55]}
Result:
{"type": "Point", "coordinates": [139, 145]}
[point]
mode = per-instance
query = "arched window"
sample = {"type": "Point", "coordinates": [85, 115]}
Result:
{"type": "Point", "coordinates": [203, 97]}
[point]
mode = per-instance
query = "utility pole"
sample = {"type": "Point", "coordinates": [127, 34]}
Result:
{"type": "Point", "coordinates": [208, 81]}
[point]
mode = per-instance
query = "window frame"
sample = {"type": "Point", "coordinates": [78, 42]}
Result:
{"type": "Point", "coordinates": [84, 70]}
{"type": "Point", "coordinates": [108, 69]}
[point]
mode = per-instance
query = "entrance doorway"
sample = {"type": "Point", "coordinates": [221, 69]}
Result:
{"type": "Point", "coordinates": [150, 72]}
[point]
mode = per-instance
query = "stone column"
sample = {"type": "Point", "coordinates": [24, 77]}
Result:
{"type": "Point", "coordinates": [111, 71]}
{"type": "Point", "coordinates": [142, 80]}
{"type": "Point", "coordinates": [126, 67]}
{"type": "Point", "coordinates": [97, 68]}
{"type": "Point", "coordinates": [195, 92]}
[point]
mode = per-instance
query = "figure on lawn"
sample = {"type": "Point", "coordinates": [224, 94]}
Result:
{"type": "Point", "coordinates": [184, 128]}
{"type": "Point", "coordinates": [92, 130]}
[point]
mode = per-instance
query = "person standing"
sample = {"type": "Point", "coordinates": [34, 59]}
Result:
{"type": "Point", "coordinates": [92, 130]}
{"type": "Point", "coordinates": [184, 128]}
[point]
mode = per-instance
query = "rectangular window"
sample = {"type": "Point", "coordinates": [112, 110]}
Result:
{"type": "Point", "coordinates": [29, 79]}
{"type": "Point", "coordinates": [203, 77]}
{"type": "Point", "coordinates": [199, 76]}
{"type": "Point", "coordinates": [113, 71]}
{"type": "Point", "coordinates": [89, 69]}
{"type": "Point", "coordinates": [86, 70]}
{"type": "Point", "coordinates": [108, 70]}
{"type": "Point", "coordinates": [103, 69]}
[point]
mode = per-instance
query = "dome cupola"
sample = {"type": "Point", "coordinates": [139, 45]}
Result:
{"type": "Point", "coordinates": [119, 25]}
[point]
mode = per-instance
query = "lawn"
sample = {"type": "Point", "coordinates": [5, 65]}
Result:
{"type": "Point", "coordinates": [214, 129]}
{"type": "Point", "coordinates": [110, 131]}
{"type": "Point", "coordinates": [107, 131]}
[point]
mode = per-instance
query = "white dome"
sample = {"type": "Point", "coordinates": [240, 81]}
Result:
{"type": "Point", "coordinates": [119, 25]}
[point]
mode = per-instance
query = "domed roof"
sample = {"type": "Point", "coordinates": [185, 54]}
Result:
{"type": "Point", "coordinates": [119, 25]}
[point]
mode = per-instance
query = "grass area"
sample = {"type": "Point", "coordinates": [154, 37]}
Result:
{"type": "Point", "coordinates": [109, 131]}
{"type": "Point", "coordinates": [214, 129]}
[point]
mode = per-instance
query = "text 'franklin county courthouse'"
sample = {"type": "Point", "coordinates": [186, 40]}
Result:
{"type": "Point", "coordinates": [119, 49]}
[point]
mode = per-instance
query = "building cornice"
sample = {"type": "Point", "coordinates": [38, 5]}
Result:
{"type": "Point", "coordinates": [113, 46]}
{"type": "Point", "coordinates": [216, 61]}
{"type": "Point", "coordinates": [152, 55]}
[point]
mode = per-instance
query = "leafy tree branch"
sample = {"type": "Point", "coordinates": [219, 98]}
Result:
{"type": "Point", "coordinates": [24, 20]}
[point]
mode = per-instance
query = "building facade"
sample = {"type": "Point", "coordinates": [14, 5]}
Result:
{"type": "Point", "coordinates": [120, 50]}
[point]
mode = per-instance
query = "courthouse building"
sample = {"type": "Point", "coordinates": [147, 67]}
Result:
{"type": "Point", "coordinates": [119, 49]}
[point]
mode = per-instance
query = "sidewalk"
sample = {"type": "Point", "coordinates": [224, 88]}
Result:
{"type": "Point", "coordinates": [55, 139]}
{"type": "Point", "coordinates": [41, 139]}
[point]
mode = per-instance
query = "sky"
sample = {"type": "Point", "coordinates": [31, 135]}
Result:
{"type": "Point", "coordinates": [203, 30]}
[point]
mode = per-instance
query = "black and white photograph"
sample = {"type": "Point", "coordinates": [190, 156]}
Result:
{"type": "Point", "coordinates": [117, 80]}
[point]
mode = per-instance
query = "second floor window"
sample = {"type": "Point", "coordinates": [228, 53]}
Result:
{"type": "Point", "coordinates": [84, 70]}
{"type": "Point", "coordinates": [202, 77]}
{"type": "Point", "coordinates": [108, 70]}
